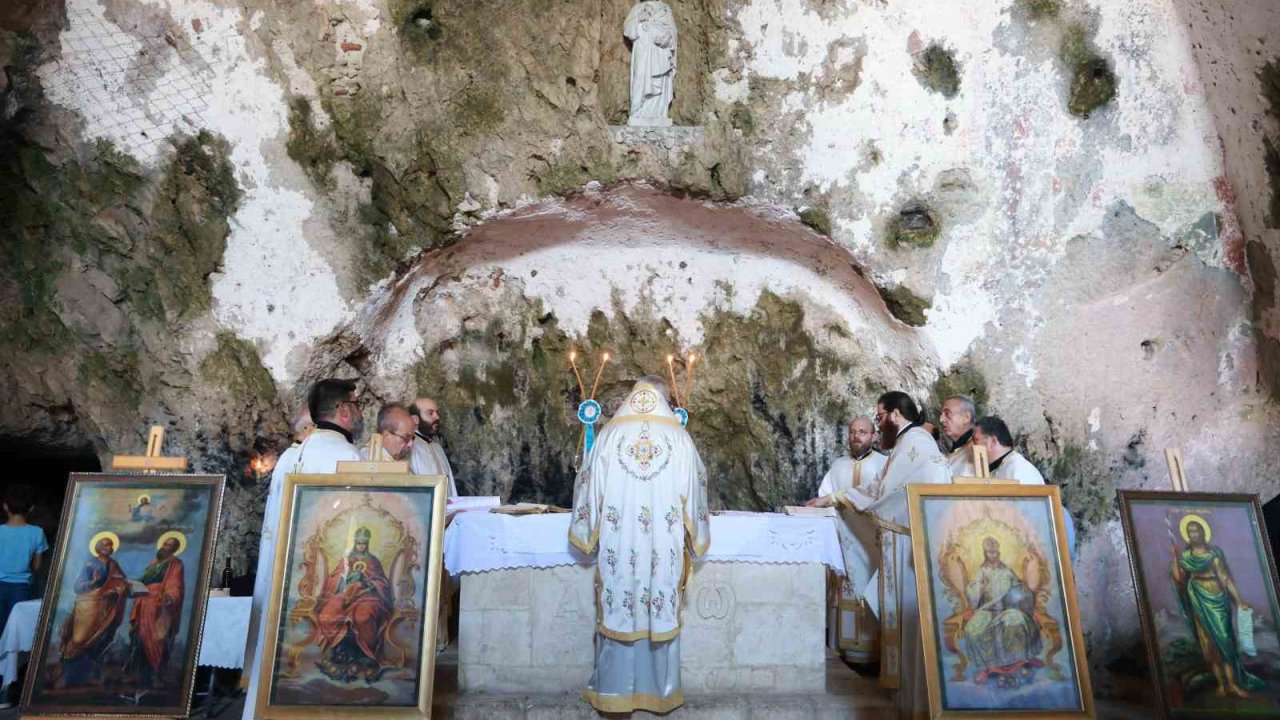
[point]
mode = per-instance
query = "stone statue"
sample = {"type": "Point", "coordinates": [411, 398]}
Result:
{"type": "Point", "coordinates": [651, 27]}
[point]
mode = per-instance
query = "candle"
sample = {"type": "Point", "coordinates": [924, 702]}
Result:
{"type": "Point", "coordinates": [604, 360]}
{"type": "Point", "coordinates": [671, 372]}
{"type": "Point", "coordinates": [573, 362]}
{"type": "Point", "coordinates": [688, 378]}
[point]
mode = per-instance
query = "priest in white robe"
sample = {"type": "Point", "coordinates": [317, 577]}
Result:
{"type": "Point", "coordinates": [856, 629]}
{"type": "Point", "coordinates": [640, 501]}
{"type": "Point", "coordinates": [958, 416]}
{"type": "Point", "coordinates": [1005, 462]}
{"type": "Point", "coordinates": [427, 456]}
{"type": "Point", "coordinates": [338, 423]}
{"type": "Point", "coordinates": [396, 429]}
{"type": "Point", "coordinates": [913, 458]}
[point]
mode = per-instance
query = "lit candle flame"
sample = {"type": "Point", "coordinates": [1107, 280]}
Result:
{"type": "Point", "coordinates": [262, 464]}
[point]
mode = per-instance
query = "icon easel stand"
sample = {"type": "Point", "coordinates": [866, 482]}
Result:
{"type": "Point", "coordinates": [1177, 471]}
{"type": "Point", "coordinates": [982, 469]}
{"type": "Point", "coordinates": [152, 461]}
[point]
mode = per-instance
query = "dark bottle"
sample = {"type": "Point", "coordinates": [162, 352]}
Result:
{"type": "Point", "coordinates": [226, 574]}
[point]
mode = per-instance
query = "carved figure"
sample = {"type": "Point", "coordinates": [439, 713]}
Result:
{"type": "Point", "coordinates": [651, 28]}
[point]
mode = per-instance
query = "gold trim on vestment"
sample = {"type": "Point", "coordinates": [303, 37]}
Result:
{"type": "Point", "coordinates": [660, 419]}
{"type": "Point", "coordinates": [635, 635]}
{"type": "Point", "coordinates": [892, 526]}
{"type": "Point", "coordinates": [631, 703]}
{"type": "Point", "coordinates": [588, 548]}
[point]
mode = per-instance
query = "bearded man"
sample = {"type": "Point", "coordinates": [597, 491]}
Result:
{"type": "Point", "coordinates": [157, 616]}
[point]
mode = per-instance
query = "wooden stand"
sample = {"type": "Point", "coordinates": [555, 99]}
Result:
{"type": "Point", "coordinates": [390, 467]}
{"type": "Point", "coordinates": [982, 468]}
{"type": "Point", "coordinates": [1177, 472]}
{"type": "Point", "coordinates": [152, 461]}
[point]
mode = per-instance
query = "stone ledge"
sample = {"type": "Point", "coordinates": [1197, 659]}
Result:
{"type": "Point", "coordinates": [658, 137]}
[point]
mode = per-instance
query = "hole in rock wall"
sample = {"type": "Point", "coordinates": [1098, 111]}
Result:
{"type": "Point", "coordinates": [793, 339]}
{"type": "Point", "coordinates": [44, 468]}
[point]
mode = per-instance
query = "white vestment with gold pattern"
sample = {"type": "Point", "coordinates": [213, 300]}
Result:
{"type": "Point", "coordinates": [915, 459]}
{"type": "Point", "coordinates": [640, 503]}
{"type": "Point", "coordinates": [856, 629]}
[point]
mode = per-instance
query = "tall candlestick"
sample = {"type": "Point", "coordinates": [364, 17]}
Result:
{"type": "Point", "coordinates": [573, 362]}
{"type": "Point", "coordinates": [688, 378]}
{"type": "Point", "coordinates": [671, 372]}
{"type": "Point", "coordinates": [604, 360]}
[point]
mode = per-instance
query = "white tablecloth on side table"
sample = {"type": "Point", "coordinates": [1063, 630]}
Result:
{"type": "Point", "coordinates": [226, 630]}
{"type": "Point", "coordinates": [479, 542]}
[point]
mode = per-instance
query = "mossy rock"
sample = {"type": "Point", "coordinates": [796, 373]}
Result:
{"type": "Point", "coordinates": [1269, 76]}
{"type": "Point", "coordinates": [235, 367]}
{"type": "Point", "coordinates": [817, 219]}
{"type": "Point", "coordinates": [316, 151]}
{"type": "Point", "coordinates": [936, 69]}
{"type": "Point", "coordinates": [1093, 85]}
{"type": "Point", "coordinates": [913, 226]}
{"type": "Point", "coordinates": [963, 379]}
{"type": "Point", "coordinates": [1041, 9]}
{"type": "Point", "coordinates": [905, 305]}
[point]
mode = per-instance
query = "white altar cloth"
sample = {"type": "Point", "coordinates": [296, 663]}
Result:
{"type": "Point", "coordinates": [480, 542]}
{"type": "Point", "coordinates": [226, 630]}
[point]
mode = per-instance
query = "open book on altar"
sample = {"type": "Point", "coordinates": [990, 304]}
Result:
{"type": "Point", "coordinates": [463, 503]}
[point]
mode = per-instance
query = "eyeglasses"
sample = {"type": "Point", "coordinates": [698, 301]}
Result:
{"type": "Point", "coordinates": [406, 438]}
{"type": "Point", "coordinates": [353, 402]}
{"type": "Point", "coordinates": [880, 416]}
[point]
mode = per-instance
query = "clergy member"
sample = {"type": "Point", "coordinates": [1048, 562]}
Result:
{"type": "Point", "coordinates": [958, 415]}
{"type": "Point", "coordinates": [396, 427]}
{"type": "Point", "coordinates": [1005, 462]}
{"type": "Point", "coordinates": [641, 502]}
{"type": "Point", "coordinates": [338, 423]}
{"type": "Point", "coordinates": [856, 631]}
{"type": "Point", "coordinates": [914, 458]}
{"type": "Point", "coordinates": [427, 457]}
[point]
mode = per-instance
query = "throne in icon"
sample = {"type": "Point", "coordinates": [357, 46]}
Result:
{"type": "Point", "coordinates": [961, 557]}
{"type": "Point", "coordinates": [392, 543]}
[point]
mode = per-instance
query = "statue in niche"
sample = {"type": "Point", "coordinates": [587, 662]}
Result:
{"type": "Point", "coordinates": [651, 28]}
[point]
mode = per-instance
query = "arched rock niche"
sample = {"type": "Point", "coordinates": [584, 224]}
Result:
{"type": "Point", "coordinates": [796, 339]}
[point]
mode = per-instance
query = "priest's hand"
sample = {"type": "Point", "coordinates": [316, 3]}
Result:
{"type": "Point", "coordinates": [819, 502]}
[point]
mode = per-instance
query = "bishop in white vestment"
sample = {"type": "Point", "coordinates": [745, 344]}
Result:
{"type": "Point", "coordinates": [856, 630]}
{"type": "Point", "coordinates": [338, 422]}
{"type": "Point", "coordinates": [640, 503]}
{"type": "Point", "coordinates": [914, 458]}
{"type": "Point", "coordinates": [427, 456]}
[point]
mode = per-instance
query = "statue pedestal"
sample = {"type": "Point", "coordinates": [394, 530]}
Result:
{"type": "Point", "coordinates": [672, 137]}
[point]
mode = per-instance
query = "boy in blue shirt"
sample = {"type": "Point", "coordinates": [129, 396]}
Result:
{"type": "Point", "coordinates": [22, 548]}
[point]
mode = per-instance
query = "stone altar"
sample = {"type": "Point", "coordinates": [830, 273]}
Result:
{"type": "Point", "coordinates": [747, 627]}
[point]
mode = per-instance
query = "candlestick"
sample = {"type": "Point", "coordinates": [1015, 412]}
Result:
{"type": "Point", "coordinates": [671, 372]}
{"type": "Point", "coordinates": [604, 360]}
{"type": "Point", "coordinates": [573, 362]}
{"type": "Point", "coordinates": [688, 378]}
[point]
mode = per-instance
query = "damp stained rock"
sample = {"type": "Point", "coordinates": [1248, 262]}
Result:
{"type": "Point", "coordinates": [905, 305]}
{"type": "Point", "coordinates": [1041, 9]}
{"type": "Point", "coordinates": [1093, 82]}
{"type": "Point", "coordinates": [962, 379]}
{"type": "Point", "coordinates": [936, 69]}
{"type": "Point", "coordinates": [309, 146]}
{"type": "Point", "coordinates": [913, 226]}
{"type": "Point", "coordinates": [816, 218]}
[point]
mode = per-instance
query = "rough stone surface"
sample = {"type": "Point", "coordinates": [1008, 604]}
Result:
{"type": "Point", "coordinates": [201, 196]}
